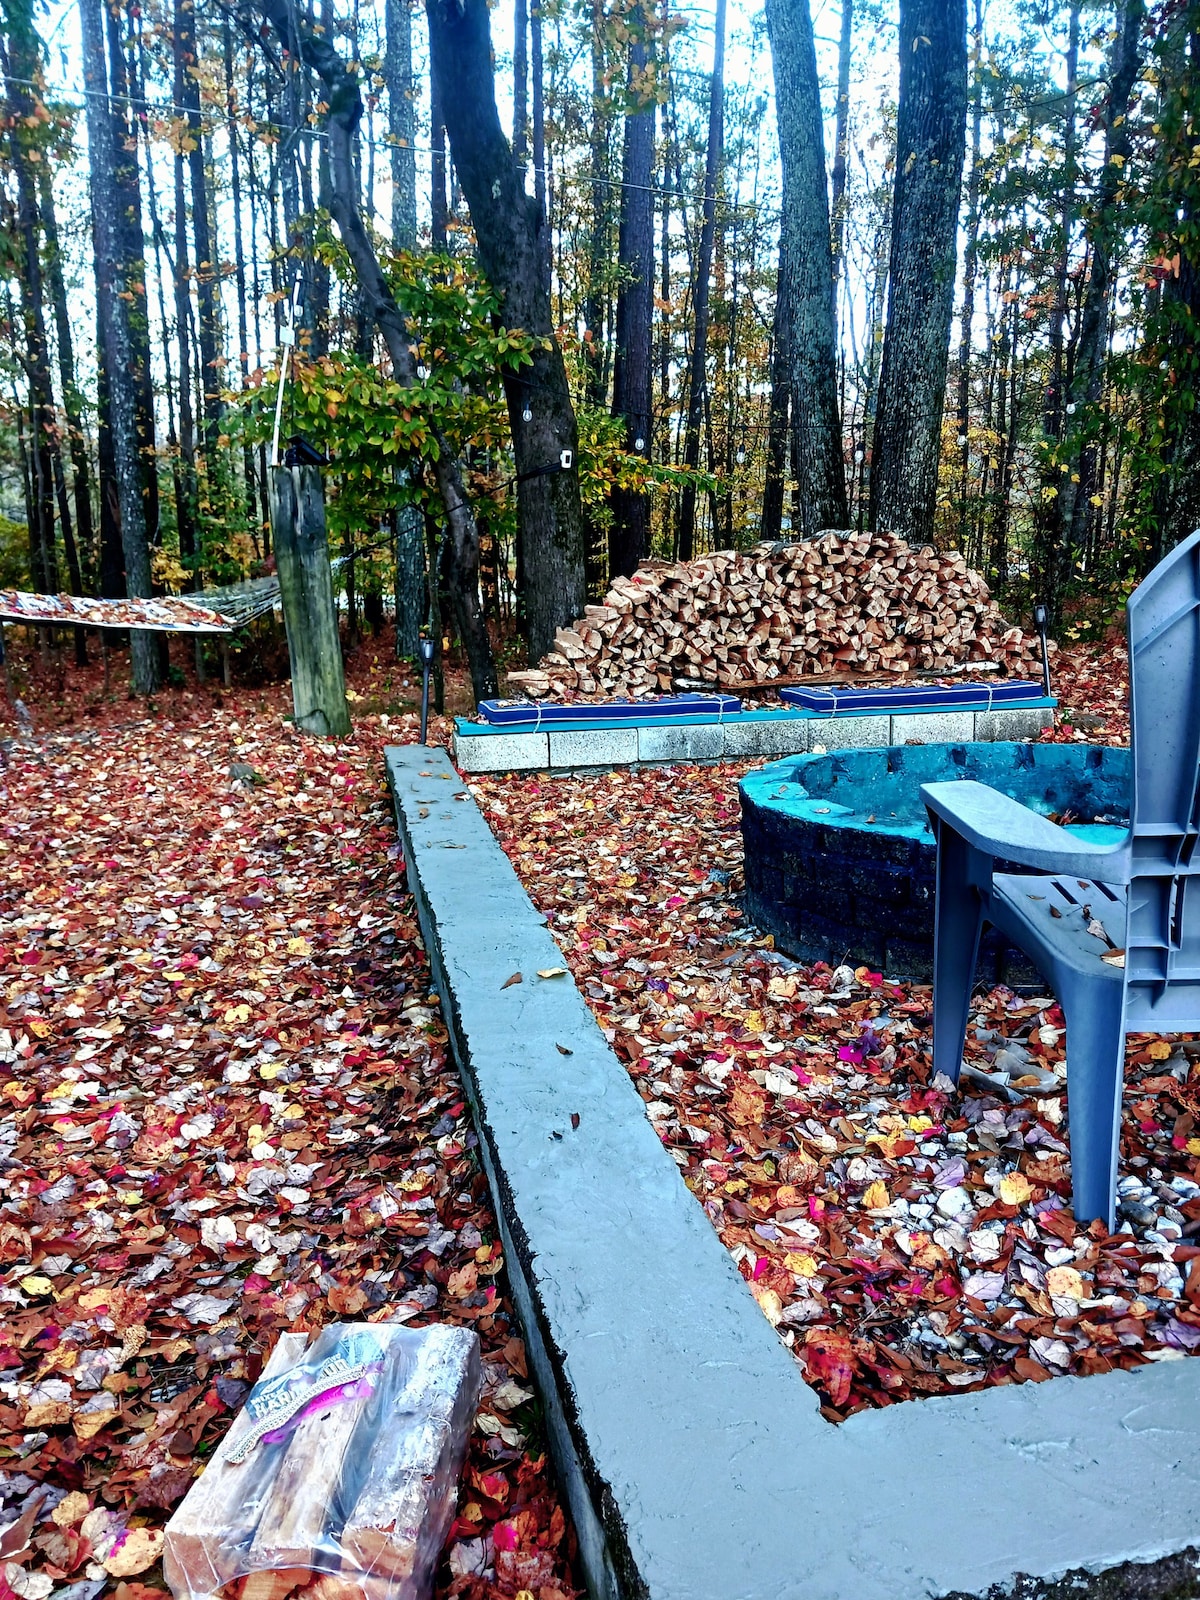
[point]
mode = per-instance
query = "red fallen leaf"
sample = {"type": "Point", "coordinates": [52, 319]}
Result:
{"type": "Point", "coordinates": [829, 1361]}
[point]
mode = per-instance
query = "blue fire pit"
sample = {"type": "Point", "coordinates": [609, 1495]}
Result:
{"type": "Point", "coordinates": [840, 859]}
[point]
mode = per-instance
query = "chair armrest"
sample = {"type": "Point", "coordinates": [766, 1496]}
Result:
{"type": "Point", "coordinates": [1004, 828]}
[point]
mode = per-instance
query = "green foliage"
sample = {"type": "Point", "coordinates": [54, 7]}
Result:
{"type": "Point", "coordinates": [14, 554]}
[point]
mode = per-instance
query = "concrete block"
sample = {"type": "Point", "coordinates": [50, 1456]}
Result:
{"type": "Point", "coordinates": [778, 736]}
{"type": "Point", "coordinates": [1014, 724]}
{"type": "Point", "coordinates": [502, 752]}
{"type": "Point", "coordinates": [701, 741]}
{"type": "Point", "coordinates": [594, 747]}
{"type": "Point", "coordinates": [849, 733]}
{"type": "Point", "coordinates": [934, 727]}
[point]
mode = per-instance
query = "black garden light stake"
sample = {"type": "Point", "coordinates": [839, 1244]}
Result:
{"type": "Point", "coordinates": [1041, 620]}
{"type": "Point", "coordinates": [426, 648]}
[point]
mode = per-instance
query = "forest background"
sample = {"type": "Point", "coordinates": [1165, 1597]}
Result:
{"type": "Point", "coordinates": [576, 282]}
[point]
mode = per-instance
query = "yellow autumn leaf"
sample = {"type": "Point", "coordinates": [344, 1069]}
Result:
{"type": "Point", "coordinates": [35, 1284]}
{"type": "Point", "coordinates": [236, 1014]}
{"type": "Point", "coordinates": [1015, 1189]}
{"type": "Point", "coordinates": [804, 1266]}
{"type": "Point", "coordinates": [753, 1021]}
{"type": "Point", "coordinates": [552, 972]}
{"type": "Point", "coordinates": [174, 977]}
{"type": "Point", "coordinates": [877, 1195]}
{"type": "Point", "coordinates": [272, 1069]}
{"type": "Point", "coordinates": [134, 1551]}
{"type": "Point", "coordinates": [299, 947]}
{"type": "Point", "coordinates": [920, 1124]}
{"type": "Point", "coordinates": [1160, 1050]}
{"type": "Point", "coordinates": [769, 1303]}
{"type": "Point", "coordinates": [1065, 1282]}
{"type": "Point", "coordinates": [1193, 1147]}
{"type": "Point", "coordinates": [61, 1091]}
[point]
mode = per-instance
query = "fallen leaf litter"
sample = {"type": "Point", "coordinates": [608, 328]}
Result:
{"type": "Point", "coordinates": [227, 1111]}
{"type": "Point", "coordinates": [905, 1239]}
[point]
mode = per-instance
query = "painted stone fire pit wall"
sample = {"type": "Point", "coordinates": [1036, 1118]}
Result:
{"type": "Point", "coordinates": [840, 859]}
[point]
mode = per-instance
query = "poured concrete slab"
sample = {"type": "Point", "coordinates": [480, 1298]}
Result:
{"type": "Point", "coordinates": [694, 1457]}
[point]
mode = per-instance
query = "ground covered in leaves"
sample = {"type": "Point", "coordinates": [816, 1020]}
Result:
{"type": "Point", "coordinates": [226, 1110]}
{"type": "Point", "coordinates": [905, 1239]}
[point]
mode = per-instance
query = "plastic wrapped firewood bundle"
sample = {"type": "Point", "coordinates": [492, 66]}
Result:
{"type": "Point", "coordinates": [338, 1479]}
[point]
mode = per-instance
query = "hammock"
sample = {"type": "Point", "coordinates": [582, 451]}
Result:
{"type": "Point", "coordinates": [157, 615]}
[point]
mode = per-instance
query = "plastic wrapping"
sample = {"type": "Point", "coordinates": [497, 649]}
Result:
{"type": "Point", "coordinates": [338, 1478]}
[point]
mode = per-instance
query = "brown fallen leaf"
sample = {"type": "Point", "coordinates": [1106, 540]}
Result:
{"type": "Point", "coordinates": [508, 982]}
{"type": "Point", "coordinates": [134, 1551]}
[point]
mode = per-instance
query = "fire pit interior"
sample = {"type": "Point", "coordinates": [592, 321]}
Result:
{"type": "Point", "coordinates": [840, 858]}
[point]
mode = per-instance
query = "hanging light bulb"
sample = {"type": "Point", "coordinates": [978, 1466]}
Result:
{"type": "Point", "coordinates": [741, 456]}
{"type": "Point", "coordinates": [1071, 409]}
{"type": "Point", "coordinates": [962, 441]}
{"type": "Point", "coordinates": [1164, 366]}
{"type": "Point", "coordinates": [858, 458]}
{"type": "Point", "coordinates": [639, 443]}
{"type": "Point", "coordinates": [527, 414]}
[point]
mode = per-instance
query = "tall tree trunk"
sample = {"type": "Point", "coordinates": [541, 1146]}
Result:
{"type": "Point", "coordinates": [79, 549]}
{"type": "Point", "coordinates": [439, 208]}
{"type": "Point", "coordinates": [970, 270]}
{"type": "Point", "coordinates": [402, 123]}
{"type": "Point", "coordinates": [700, 296]}
{"type": "Point", "coordinates": [185, 480]}
{"type": "Point", "coordinates": [239, 254]}
{"type": "Point", "coordinates": [127, 182]}
{"type": "Point", "coordinates": [402, 129]}
{"type": "Point", "coordinates": [520, 138]}
{"type": "Point", "coordinates": [22, 67]}
{"type": "Point", "coordinates": [930, 146]}
{"type": "Point", "coordinates": [1048, 511]}
{"type": "Point", "coordinates": [345, 111]}
{"type": "Point", "coordinates": [779, 405]}
{"type": "Point", "coordinates": [209, 325]}
{"type": "Point", "coordinates": [509, 228]}
{"type": "Point", "coordinates": [540, 188]}
{"type": "Point", "coordinates": [1105, 232]}
{"type": "Point", "coordinates": [812, 336]}
{"type": "Point", "coordinates": [633, 371]}
{"type": "Point", "coordinates": [596, 299]}
{"type": "Point", "coordinates": [114, 271]}
{"type": "Point", "coordinates": [841, 141]}
{"type": "Point", "coordinates": [1175, 501]}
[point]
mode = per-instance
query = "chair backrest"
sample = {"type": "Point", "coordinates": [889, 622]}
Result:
{"type": "Point", "coordinates": [1162, 961]}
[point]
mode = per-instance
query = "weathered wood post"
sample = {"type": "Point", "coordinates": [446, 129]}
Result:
{"type": "Point", "coordinates": [306, 589]}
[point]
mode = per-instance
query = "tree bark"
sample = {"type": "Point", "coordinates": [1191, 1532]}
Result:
{"type": "Point", "coordinates": [72, 406]}
{"type": "Point", "coordinates": [126, 180]}
{"type": "Point", "coordinates": [686, 542]}
{"type": "Point", "coordinates": [520, 137]}
{"type": "Point", "coordinates": [779, 405]}
{"type": "Point", "coordinates": [930, 147]}
{"type": "Point", "coordinates": [1105, 232]}
{"type": "Point", "coordinates": [113, 292]}
{"type": "Point", "coordinates": [633, 374]}
{"type": "Point", "coordinates": [439, 207]}
{"type": "Point", "coordinates": [970, 271]}
{"type": "Point", "coordinates": [209, 324]}
{"type": "Point", "coordinates": [806, 248]}
{"type": "Point", "coordinates": [402, 123]}
{"type": "Point", "coordinates": [21, 68]}
{"type": "Point", "coordinates": [509, 229]}
{"type": "Point", "coordinates": [841, 140]}
{"type": "Point", "coordinates": [309, 612]}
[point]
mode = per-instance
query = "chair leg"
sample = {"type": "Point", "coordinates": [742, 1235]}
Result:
{"type": "Point", "coordinates": [1095, 1075]}
{"type": "Point", "coordinates": [958, 922]}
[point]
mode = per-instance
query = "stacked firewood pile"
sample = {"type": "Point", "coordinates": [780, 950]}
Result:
{"type": "Point", "coordinates": [842, 603]}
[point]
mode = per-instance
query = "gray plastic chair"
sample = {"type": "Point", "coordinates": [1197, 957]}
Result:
{"type": "Point", "coordinates": [1139, 889]}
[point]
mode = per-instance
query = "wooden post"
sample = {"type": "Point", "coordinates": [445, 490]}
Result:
{"type": "Point", "coordinates": [306, 589]}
